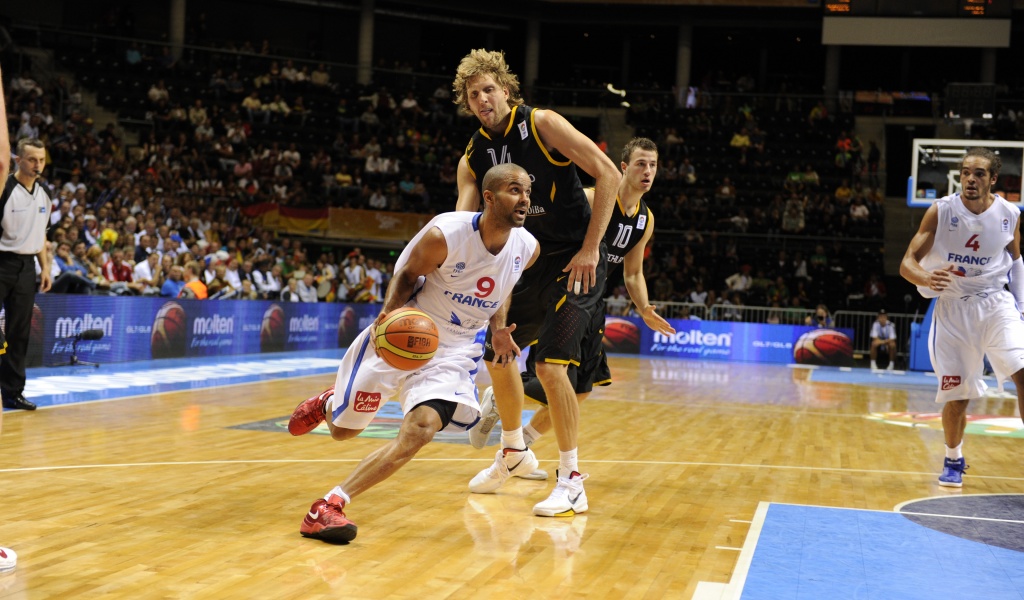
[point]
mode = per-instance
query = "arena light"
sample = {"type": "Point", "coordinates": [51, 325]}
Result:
{"type": "Point", "coordinates": [611, 88]}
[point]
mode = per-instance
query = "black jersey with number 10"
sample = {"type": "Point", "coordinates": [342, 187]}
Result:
{"type": "Point", "coordinates": [625, 232]}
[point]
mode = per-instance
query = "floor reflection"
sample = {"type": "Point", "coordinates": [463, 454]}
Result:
{"type": "Point", "coordinates": [503, 528]}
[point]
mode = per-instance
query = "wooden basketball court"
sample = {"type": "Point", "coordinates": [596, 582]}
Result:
{"type": "Point", "coordinates": [180, 495]}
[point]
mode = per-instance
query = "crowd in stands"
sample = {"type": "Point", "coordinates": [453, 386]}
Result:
{"type": "Point", "coordinates": [250, 127]}
{"type": "Point", "coordinates": [236, 128]}
{"type": "Point", "coordinates": [770, 202]}
{"type": "Point", "coordinates": [156, 222]}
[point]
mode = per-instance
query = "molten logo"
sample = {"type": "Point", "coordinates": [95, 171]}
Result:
{"type": "Point", "coordinates": [950, 382]}
{"type": "Point", "coordinates": [304, 324]}
{"type": "Point", "coordinates": [215, 325]}
{"type": "Point", "coordinates": [67, 326]}
{"type": "Point", "coordinates": [695, 337]}
{"type": "Point", "coordinates": [366, 402]}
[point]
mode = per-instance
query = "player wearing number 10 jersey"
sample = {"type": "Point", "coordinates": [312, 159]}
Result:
{"type": "Point", "coordinates": [629, 231]}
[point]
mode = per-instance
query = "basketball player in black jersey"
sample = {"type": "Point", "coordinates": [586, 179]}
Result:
{"type": "Point", "coordinates": [630, 229]}
{"type": "Point", "coordinates": [556, 301]}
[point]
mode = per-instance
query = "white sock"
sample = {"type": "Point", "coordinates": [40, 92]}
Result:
{"type": "Point", "coordinates": [955, 453]}
{"type": "Point", "coordinates": [513, 439]}
{"type": "Point", "coordinates": [530, 435]}
{"type": "Point", "coordinates": [337, 491]}
{"type": "Point", "coordinates": [567, 463]}
{"type": "Point", "coordinates": [874, 365]}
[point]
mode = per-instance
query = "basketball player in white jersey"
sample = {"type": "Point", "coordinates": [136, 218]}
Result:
{"type": "Point", "coordinates": [966, 250]}
{"type": "Point", "coordinates": [459, 269]}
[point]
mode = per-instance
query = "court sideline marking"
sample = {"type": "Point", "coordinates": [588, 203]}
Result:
{"type": "Point", "coordinates": [475, 459]}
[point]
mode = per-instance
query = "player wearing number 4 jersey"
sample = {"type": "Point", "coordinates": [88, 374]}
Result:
{"type": "Point", "coordinates": [966, 250]}
{"type": "Point", "coordinates": [459, 269]}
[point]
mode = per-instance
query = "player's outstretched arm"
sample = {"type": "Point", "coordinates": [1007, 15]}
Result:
{"type": "Point", "coordinates": [558, 134]}
{"type": "Point", "coordinates": [636, 283]}
{"type": "Point", "coordinates": [920, 244]}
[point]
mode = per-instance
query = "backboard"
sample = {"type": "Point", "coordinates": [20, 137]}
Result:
{"type": "Point", "coordinates": [935, 169]}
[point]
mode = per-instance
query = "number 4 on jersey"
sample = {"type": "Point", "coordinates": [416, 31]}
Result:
{"type": "Point", "coordinates": [973, 243]}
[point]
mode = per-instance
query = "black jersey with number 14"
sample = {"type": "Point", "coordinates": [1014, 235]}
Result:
{"type": "Point", "coordinates": [559, 211]}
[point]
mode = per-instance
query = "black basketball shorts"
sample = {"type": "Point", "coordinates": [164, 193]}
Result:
{"type": "Point", "coordinates": [546, 314]}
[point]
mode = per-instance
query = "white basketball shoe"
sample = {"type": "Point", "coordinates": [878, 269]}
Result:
{"type": "Point", "coordinates": [535, 475]}
{"type": "Point", "coordinates": [567, 499]}
{"type": "Point", "coordinates": [8, 560]}
{"type": "Point", "coordinates": [507, 463]}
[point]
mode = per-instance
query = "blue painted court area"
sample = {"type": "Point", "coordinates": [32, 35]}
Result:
{"type": "Point", "coordinates": [52, 386]}
{"type": "Point", "coordinates": [809, 552]}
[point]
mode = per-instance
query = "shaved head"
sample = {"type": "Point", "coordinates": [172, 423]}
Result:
{"type": "Point", "coordinates": [499, 175]}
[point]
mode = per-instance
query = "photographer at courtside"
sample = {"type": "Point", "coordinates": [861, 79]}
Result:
{"type": "Point", "coordinates": [821, 318]}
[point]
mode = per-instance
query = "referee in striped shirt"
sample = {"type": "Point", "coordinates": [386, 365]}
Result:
{"type": "Point", "coordinates": [24, 214]}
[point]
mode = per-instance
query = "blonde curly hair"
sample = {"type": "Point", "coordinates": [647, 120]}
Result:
{"type": "Point", "coordinates": [484, 62]}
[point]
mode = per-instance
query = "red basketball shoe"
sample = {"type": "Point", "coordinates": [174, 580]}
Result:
{"type": "Point", "coordinates": [310, 413]}
{"type": "Point", "coordinates": [326, 521]}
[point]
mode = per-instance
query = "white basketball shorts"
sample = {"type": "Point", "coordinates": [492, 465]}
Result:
{"type": "Point", "coordinates": [365, 382]}
{"type": "Point", "coordinates": [964, 331]}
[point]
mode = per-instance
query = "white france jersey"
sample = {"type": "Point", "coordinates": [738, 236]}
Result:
{"type": "Point", "coordinates": [463, 293]}
{"type": "Point", "coordinates": [973, 245]}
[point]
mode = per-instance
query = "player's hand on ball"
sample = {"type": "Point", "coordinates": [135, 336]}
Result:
{"type": "Point", "coordinates": [376, 326]}
{"type": "Point", "coordinates": [505, 349]}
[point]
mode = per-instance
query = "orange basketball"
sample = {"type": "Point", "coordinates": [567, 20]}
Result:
{"type": "Point", "coordinates": [621, 335]}
{"type": "Point", "coordinates": [407, 339]}
{"type": "Point", "coordinates": [170, 332]}
{"type": "Point", "coordinates": [824, 347]}
{"type": "Point", "coordinates": [273, 333]}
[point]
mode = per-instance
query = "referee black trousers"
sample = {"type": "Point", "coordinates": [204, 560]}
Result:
{"type": "Point", "coordinates": [18, 292]}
